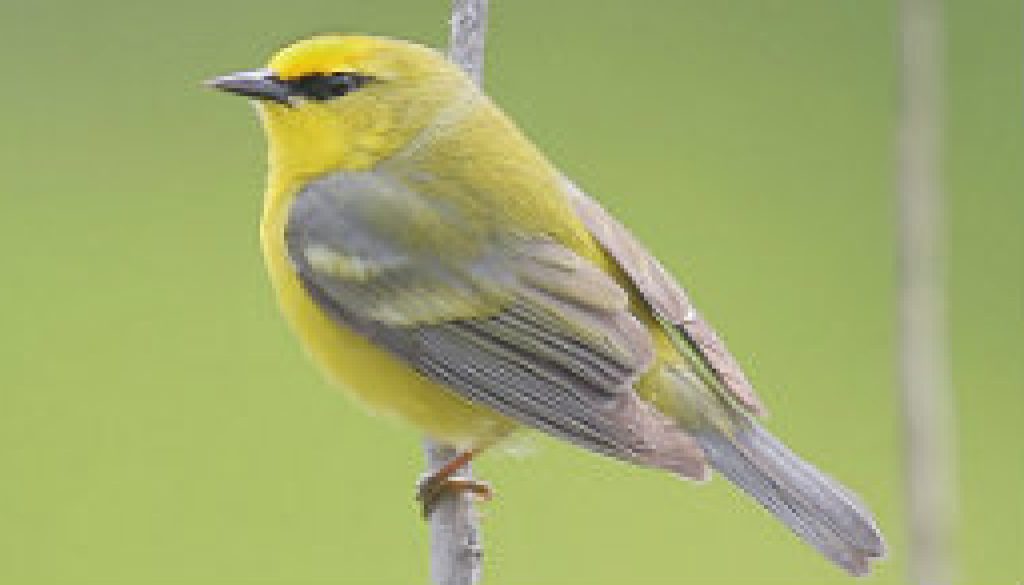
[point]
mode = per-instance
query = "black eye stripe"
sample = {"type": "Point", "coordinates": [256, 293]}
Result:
{"type": "Point", "coordinates": [324, 86]}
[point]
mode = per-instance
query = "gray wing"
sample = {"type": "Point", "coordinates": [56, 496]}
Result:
{"type": "Point", "coordinates": [521, 325]}
{"type": "Point", "coordinates": [665, 296]}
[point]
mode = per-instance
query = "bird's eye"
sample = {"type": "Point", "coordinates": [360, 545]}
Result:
{"type": "Point", "coordinates": [324, 86]}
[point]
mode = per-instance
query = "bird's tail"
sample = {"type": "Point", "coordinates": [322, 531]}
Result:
{"type": "Point", "coordinates": [814, 506]}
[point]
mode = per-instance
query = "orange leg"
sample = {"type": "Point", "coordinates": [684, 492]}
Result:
{"type": "Point", "coordinates": [431, 488]}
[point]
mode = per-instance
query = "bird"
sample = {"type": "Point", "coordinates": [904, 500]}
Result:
{"type": "Point", "coordinates": [439, 268]}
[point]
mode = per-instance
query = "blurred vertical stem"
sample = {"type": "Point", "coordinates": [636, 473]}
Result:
{"type": "Point", "coordinates": [927, 400]}
{"type": "Point", "coordinates": [455, 548]}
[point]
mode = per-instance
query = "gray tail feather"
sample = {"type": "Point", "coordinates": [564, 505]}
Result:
{"type": "Point", "coordinates": [814, 506]}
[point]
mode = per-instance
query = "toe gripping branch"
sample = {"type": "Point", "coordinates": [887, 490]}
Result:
{"type": "Point", "coordinates": [432, 487]}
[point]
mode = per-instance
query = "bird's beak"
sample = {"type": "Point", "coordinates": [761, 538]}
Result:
{"type": "Point", "coordinates": [261, 84]}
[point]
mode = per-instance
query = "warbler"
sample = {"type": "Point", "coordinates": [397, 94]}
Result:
{"type": "Point", "coordinates": [437, 266]}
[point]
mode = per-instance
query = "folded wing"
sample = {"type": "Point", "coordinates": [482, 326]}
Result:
{"type": "Point", "coordinates": [518, 323]}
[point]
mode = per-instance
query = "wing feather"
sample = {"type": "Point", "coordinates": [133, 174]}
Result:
{"type": "Point", "coordinates": [520, 324]}
{"type": "Point", "coordinates": [665, 296]}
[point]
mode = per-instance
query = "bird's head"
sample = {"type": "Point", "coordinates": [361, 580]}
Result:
{"type": "Point", "coordinates": [346, 102]}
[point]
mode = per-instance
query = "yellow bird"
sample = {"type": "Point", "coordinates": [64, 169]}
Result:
{"type": "Point", "coordinates": [437, 266]}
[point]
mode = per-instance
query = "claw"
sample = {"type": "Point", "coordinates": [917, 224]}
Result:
{"type": "Point", "coordinates": [430, 490]}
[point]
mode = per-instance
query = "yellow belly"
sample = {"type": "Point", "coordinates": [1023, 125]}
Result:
{"type": "Point", "coordinates": [378, 380]}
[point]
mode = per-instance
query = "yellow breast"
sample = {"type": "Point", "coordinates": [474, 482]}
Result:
{"type": "Point", "coordinates": [378, 380]}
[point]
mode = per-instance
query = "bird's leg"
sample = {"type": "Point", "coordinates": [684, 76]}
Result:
{"type": "Point", "coordinates": [432, 487]}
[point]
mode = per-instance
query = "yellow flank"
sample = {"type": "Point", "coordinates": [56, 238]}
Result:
{"type": "Point", "coordinates": [442, 123]}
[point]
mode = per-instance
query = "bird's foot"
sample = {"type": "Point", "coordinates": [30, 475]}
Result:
{"type": "Point", "coordinates": [430, 490]}
{"type": "Point", "coordinates": [433, 487]}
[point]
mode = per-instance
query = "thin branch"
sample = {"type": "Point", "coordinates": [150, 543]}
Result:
{"type": "Point", "coordinates": [455, 547]}
{"type": "Point", "coordinates": [927, 401]}
{"type": "Point", "coordinates": [469, 28]}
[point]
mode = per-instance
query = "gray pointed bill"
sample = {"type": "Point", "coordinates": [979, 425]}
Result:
{"type": "Point", "coordinates": [261, 84]}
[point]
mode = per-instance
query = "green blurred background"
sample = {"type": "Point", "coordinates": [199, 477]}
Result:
{"type": "Point", "coordinates": [158, 424]}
